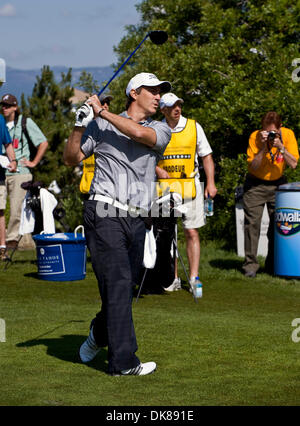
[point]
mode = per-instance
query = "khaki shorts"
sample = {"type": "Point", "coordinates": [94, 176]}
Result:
{"type": "Point", "coordinates": [195, 217]}
{"type": "Point", "coordinates": [3, 196]}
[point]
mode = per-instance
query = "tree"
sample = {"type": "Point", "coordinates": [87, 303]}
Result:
{"type": "Point", "coordinates": [230, 62]}
{"type": "Point", "coordinates": [87, 83]}
{"type": "Point", "coordinates": [50, 107]}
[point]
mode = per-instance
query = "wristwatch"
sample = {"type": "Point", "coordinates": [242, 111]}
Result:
{"type": "Point", "coordinates": [99, 113]}
{"type": "Point", "coordinates": [282, 150]}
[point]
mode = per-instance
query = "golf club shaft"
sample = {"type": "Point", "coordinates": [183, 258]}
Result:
{"type": "Point", "coordinates": [124, 63]}
{"type": "Point", "coordinates": [186, 274]}
{"type": "Point", "coordinates": [141, 285]}
{"type": "Point", "coordinates": [157, 37]}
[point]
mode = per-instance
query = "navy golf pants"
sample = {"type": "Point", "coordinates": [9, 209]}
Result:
{"type": "Point", "coordinates": [116, 245]}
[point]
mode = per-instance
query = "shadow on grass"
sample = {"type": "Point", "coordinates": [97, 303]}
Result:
{"type": "Point", "coordinates": [22, 261]}
{"type": "Point", "coordinates": [227, 264]}
{"type": "Point", "coordinates": [11, 263]}
{"type": "Point", "coordinates": [66, 348]}
{"type": "Point", "coordinates": [33, 275]}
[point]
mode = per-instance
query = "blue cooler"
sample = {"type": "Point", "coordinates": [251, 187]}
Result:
{"type": "Point", "coordinates": [287, 231]}
{"type": "Point", "coordinates": [61, 257]}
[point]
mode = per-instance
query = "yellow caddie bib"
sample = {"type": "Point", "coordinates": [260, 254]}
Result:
{"type": "Point", "coordinates": [88, 174]}
{"type": "Point", "coordinates": [179, 161]}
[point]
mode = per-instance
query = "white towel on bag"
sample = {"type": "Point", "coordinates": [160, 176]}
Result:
{"type": "Point", "coordinates": [149, 249]}
{"type": "Point", "coordinates": [48, 204]}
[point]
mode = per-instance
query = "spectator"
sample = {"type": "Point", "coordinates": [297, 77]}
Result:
{"type": "Point", "coordinates": [127, 148]}
{"type": "Point", "coordinates": [188, 140]}
{"type": "Point", "coordinates": [13, 118]}
{"type": "Point", "coordinates": [5, 140]}
{"type": "Point", "coordinates": [269, 151]}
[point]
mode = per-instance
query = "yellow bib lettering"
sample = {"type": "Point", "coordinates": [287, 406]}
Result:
{"type": "Point", "coordinates": [179, 161]}
{"type": "Point", "coordinates": [88, 174]}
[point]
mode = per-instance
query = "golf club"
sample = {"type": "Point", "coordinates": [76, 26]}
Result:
{"type": "Point", "coordinates": [157, 37]}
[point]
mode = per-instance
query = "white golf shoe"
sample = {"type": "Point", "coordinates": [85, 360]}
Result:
{"type": "Point", "coordinates": [176, 285]}
{"type": "Point", "coordinates": [140, 370]}
{"type": "Point", "coordinates": [89, 349]}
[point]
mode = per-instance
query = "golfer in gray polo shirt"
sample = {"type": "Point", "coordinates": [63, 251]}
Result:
{"type": "Point", "coordinates": [127, 148]}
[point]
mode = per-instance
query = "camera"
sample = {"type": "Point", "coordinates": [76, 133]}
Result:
{"type": "Point", "coordinates": [272, 135]}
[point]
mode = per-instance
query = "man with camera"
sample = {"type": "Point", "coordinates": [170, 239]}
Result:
{"type": "Point", "coordinates": [269, 151]}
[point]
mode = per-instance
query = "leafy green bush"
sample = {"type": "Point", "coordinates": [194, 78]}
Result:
{"type": "Point", "coordinates": [293, 175]}
{"type": "Point", "coordinates": [51, 108]}
{"type": "Point", "coordinates": [231, 62]}
{"type": "Point", "coordinates": [72, 202]}
{"type": "Point", "coordinates": [230, 174]}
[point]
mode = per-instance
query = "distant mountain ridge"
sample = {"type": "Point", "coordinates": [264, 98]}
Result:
{"type": "Point", "coordinates": [22, 81]}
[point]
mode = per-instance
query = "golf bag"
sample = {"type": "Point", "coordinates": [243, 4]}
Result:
{"type": "Point", "coordinates": [33, 202]}
{"type": "Point", "coordinates": [163, 273]}
{"type": "Point", "coordinates": [32, 207]}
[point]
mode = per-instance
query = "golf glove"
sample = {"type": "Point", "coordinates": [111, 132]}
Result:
{"type": "Point", "coordinates": [84, 115]}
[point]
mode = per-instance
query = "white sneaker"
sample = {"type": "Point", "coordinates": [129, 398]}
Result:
{"type": "Point", "coordinates": [176, 285]}
{"type": "Point", "coordinates": [140, 370]}
{"type": "Point", "coordinates": [89, 349]}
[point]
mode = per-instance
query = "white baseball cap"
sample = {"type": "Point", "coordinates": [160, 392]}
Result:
{"type": "Point", "coordinates": [147, 79]}
{"type": "Point", "coordinates": [168, 100]}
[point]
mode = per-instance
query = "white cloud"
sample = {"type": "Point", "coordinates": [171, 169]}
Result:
{"type": "Point", "coordinates": [7, 10]}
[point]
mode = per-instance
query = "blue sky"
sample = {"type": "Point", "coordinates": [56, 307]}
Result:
{"type": "Point", "coordinates": [74, 33]}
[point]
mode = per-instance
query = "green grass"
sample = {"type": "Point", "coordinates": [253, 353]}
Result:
{"type": "Point", "coordinates": [233, 347]}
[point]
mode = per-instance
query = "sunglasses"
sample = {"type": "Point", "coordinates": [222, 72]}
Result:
{"type": "Point", "coordinates": [6, 105]}
{"type": "Point", "coordinates": [155, 90]}
{"type": "Point", "coordinates": [106, 101]}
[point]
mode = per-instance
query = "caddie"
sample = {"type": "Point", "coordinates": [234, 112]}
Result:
{"type": "Point", "coordinates": [180, 162]}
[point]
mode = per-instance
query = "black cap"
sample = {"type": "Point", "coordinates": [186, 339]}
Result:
{"type": "Point", "coordinates": [9, 100]}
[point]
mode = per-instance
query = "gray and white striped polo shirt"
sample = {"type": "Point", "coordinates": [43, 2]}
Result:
{"type": "Point", "coordinates": [124, 168]}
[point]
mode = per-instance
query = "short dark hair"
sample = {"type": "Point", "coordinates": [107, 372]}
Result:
{"type": "Point", "coordinates": [130, 99]}
{"type": "Point", "coordinates": [271, 117]}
